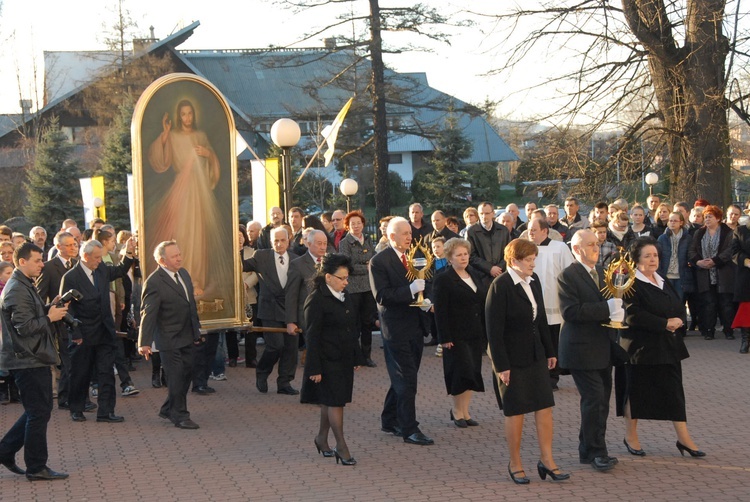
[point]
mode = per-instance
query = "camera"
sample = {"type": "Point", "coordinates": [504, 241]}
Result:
{"type": "Point", "coordinates": [69, 296]}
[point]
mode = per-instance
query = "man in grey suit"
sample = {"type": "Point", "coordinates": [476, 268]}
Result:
{"type": "Point", "coordinates": [272, 267]}
{"type": "Point", "coordinates": [169, 320]}
{"type": "Point", "coordinates": [586, 345]}
{"type": "Point", "coordinates": [301, 271]}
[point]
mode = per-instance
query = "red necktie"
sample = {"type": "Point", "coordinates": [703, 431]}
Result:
{"type": "Point", "coordinates": [319, 260]}
{"type": "Point", "coordinates": [403, 261]}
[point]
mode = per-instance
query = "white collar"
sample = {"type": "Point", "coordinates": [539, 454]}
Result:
{"type": "Point", "coordinates": [517, 278]}
{"type": "Point", "coordinates": [588, 269]}
{"type": "Point", "coordinates": [659, 280]}
{"type": "Point", "coordinates": [336, 294]}
{"type": "Point", "coordinates": [276, 255]}
{"type": "Point", "coordinates": [170, 274]}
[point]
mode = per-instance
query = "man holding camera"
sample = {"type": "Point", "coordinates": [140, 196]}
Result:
{"type": "Point", "coordinates": [27, 350]}
{"type": "Point", "coordinates": [93, 337]}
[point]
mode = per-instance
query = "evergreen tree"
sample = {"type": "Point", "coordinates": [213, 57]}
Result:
{"type": "Point", "coordinates": [447, 185]}
{"type": "Point", "coordinates": [53, 187]}
{"type": "Point", "coordinates": [116, 163]}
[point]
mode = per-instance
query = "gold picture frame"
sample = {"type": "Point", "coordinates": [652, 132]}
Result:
{"type": "Point", "coordinates": [185, 189]}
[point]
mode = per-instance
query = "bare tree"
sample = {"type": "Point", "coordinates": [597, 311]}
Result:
{"type": "Point", "coordinates": [419, 19]}
{"type": "Point", "coordinates": [667, 59]}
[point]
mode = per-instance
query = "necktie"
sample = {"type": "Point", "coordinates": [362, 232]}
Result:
{"type": "Point", "coordinates": [319, 260]}
{"type": "Point", "coordinates": [403, 261]}
{"type": "Point", "coordinates": [595, 276]}
{"type": "Point", "coordinates": [281, 260]}
{"type": "Point", "coordinates": [68, 265]}
{"type": "Point", "coordinates": [177, 278]}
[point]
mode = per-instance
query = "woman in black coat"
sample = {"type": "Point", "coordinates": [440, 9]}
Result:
{"type": "Point", "coordinates": [653, 389]}
{"type": "Point", "coordinates": [459, 296]}
{"type": "Point", "coordinates": [332, 353]}
{"type": "Point", "coordinates": [741, 257]}
{"type": "Point", "coordinates": [710, 255]}
{"type": "Point", "coordinates": [522, 354]}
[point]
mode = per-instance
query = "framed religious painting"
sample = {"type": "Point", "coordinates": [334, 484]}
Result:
{"type": "Point", "coordinates": [185, 184]}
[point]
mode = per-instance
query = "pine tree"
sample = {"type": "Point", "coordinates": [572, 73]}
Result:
{"type": "Point", "coordinates": [116, 163]}
{"type": "Point", "coordinates": [447, 185]}
{"type": "Point", "coordinates": [53, 187]}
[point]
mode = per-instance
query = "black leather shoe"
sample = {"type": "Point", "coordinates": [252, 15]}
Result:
{"type": "Point", "coordinates": [63, 406]}
{"type": "Point", "coordinates": [289, 391]}
{"type": "Point", "coordinates": [111, 418]}
{"type": "Point", "coordinates": [693, 453]}
{"type": "Point", "coordinates": [90, 406]}
{"type": "Point", "coordinates": [12, 467]}
{"type": "Point", "coordinates": [155, 382]}
{"type": "Point", "coordinates": [419, 439]}
{"type": "Point", "coordinates": [203, 390]}
{"type": "Point", "coordinates": [460, 423]}
{"type": "Point", "coordinates": [555, 474]}
{"type": "Point", "coordinates": [602, 464]}
{"type": "Point", "coordinates": [370, 363]}
{"type": "Point", "coordinates": [187, 424]}
{"type": "Point", "coordinates": [262, 384]}
{"type": "Point", "coordinates": [46, 474]}
{"type": "Point", "coordinates": [518, 480]}
{"type": "Point", "coordinates": [395, 430]}
{"type": "Point", "coordinates": [633, 451]}
{"type": "Point", "coordinates": [252, 363]}
{"type": "Point", "coordinates": [164, 416]}
{"type": "Point", "coordinates": [77, 416]}
{"type": "Point", "coordinates": [471, 422]}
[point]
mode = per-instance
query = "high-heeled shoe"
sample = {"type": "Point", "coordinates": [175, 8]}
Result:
{"type": "Point", "coordinates": [633, 451]}
{"type": "Point", "coordinates": [471, 422]}
{"type": "Point", "coordinates": [556, 476]}
{"type": "Point", "coordinates": [693, 453]}
{"type": "Point", "coordinates": [519, 481]}
{"type": "Point", "coordinates": [460, 423]}
{"type": "Point", "coordinates": [344, 461]}
{"type": "Point", "coordinates": [325, 453]}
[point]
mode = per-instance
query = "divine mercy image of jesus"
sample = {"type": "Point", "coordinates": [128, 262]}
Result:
{"type": "Point", "coordinates": [187, 190]}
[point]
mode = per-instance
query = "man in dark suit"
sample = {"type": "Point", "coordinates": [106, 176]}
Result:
{"type": "Point", "coordinates": [299, 284]}
{"type": "Point", "coordinates": [169, 320]}
{"type": "Point", "coordinates": [48, 285]}
{"type": "Point", "coordinates": [272, 267]}
{"type": "Point", "coordinates": [402, 334]}
{"type": "Point", "coordinates": [276, 217]}
{"type": "Point", "coordinates": [439, 228]}
{"type": "Point", "coordinates": [586, 345]}
{"type": "Point", "coordinates": [488, 239]}
{"type": "Point", "coordinates": [92, 343]}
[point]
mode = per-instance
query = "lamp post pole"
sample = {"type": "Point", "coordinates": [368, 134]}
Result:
{"type": "Point", "coordinates": [285, 133]}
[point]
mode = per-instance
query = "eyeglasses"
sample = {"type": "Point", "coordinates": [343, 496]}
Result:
{"type": "Point", "coordinates": [343, 279]}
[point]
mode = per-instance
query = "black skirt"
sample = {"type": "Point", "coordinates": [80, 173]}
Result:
{"type": "Point", "coordinates": [334, 389]}
{"type": "Point", "coordinates": [462, 366]}
{"type": "Point", "coordinates": [655, 392]}
{"type": "Point", "coordinates": [529, 390]}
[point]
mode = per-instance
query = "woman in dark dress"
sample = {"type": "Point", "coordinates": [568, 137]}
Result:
{"type": "Point", "coordinates": [332, 353]}
{"type": "Point", "coordinates": [522, 355]}
{"type": "Point", "coordinates": [653, 388]}
{"type": "Point", "coordinates": [459, 297]}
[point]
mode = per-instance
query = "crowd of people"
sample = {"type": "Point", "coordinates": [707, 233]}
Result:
{"type": "Point", "coordinates": [76, 313]}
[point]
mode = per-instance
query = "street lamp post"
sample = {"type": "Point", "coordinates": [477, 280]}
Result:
{"type": "Point", "coordinates": [97, 203]}
{"type": "Point", "coordinates": [285, 134]}
{"type": "Point", "coordinates": [348, 187]}
{"type": "Point", "coordinates": [651, 180]}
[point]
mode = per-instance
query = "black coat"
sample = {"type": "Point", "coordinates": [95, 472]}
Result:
{"type": "Point", "coordinates": [515, 337]}
{"type": "Point", "coordinates": [459, 311]}
{"type": "Point", "coordinates": [331, 333]}
{"type": "Point", "coordinates": [647, 339]}
{"type": "Point", "coordinates": [741, 252]}
{"type": "Point", "coordinates": [725, 267]}
{"type": "Point", "coordinates": [584, 343]}
{"type": "Point", "coordinates": [94, 309]}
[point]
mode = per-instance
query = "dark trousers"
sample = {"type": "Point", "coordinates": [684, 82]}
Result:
{"type": "Point", "coordinates": [63, 383]}
{"type": "Point", "coordinates": [364, 306]}
{"type": "Point", "coordinates": [402, 358]}
{"type": "Point", "coordinates": [83, 359]}
{"type": "Point", "coordinates": [712, 305]}
{"type": "Point", "coordinates": [30, 430]}
{"type": "Point", "coordinates": [178, 367]}
{"type": "Point", "coordinates": [281, 348]}
{"type": "Point", "coordinates": [203, 357]}
{"type": "Point", "coordinates": [121, 363]}
{"type": "Point", "coordinates": [554, 373]}
{"type": "Point", "coordinates": [595, 388]}
{"type": "Point", "coordinates": [233, 348]}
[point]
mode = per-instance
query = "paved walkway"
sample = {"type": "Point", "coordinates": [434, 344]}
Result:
{"type": "Point", "coordinates": [259, 447]}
